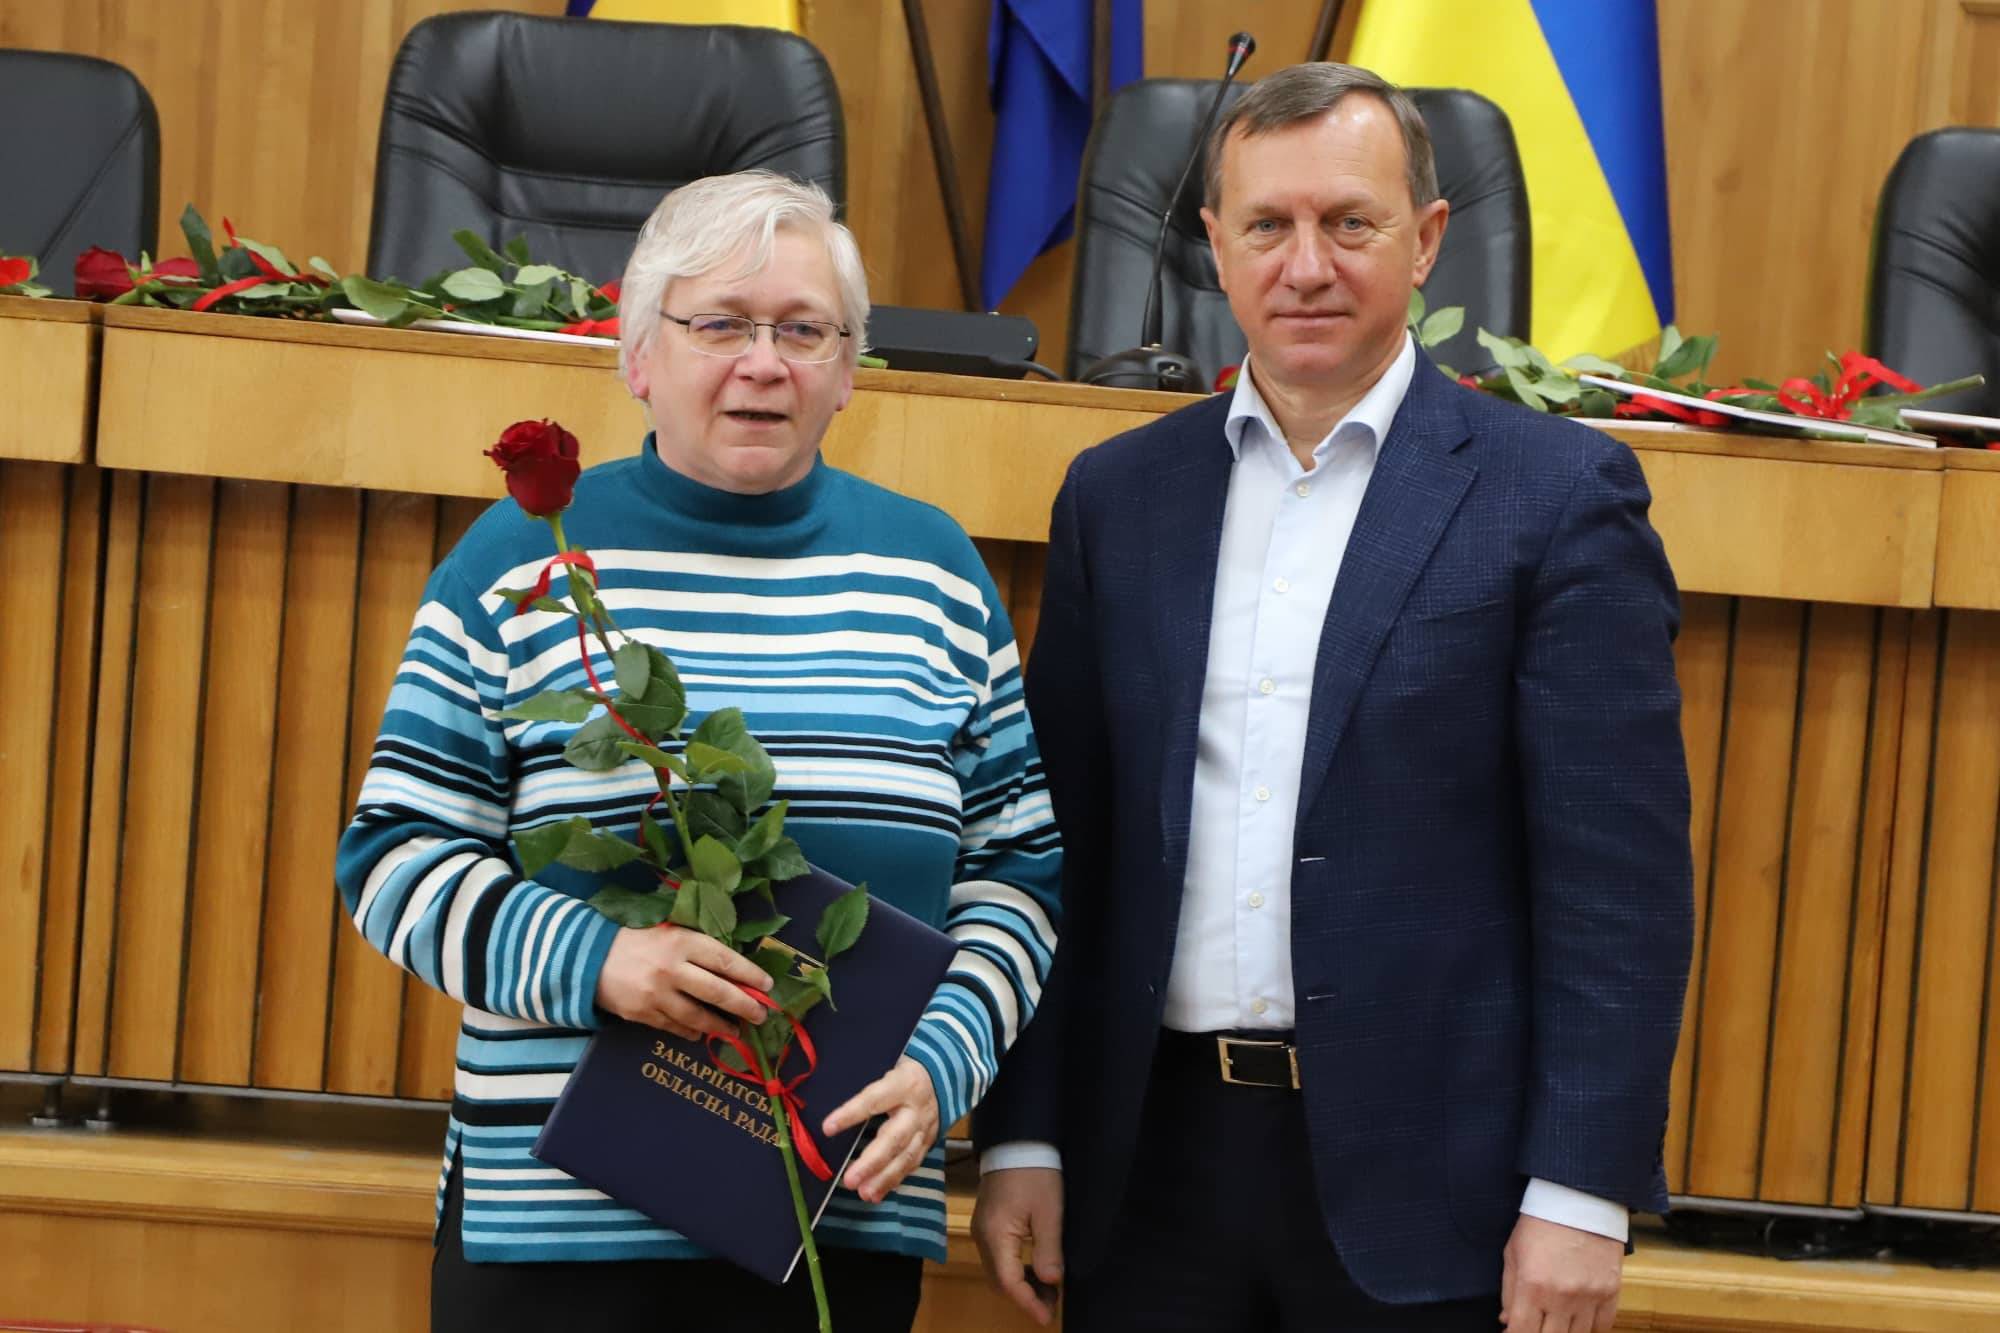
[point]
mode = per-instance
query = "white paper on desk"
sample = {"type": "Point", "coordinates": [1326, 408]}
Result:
{"type": "Point", "coordinates": [1818, 426]}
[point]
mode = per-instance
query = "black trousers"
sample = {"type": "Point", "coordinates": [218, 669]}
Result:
{"type": "Point", "coordinates": [1220, 1229]}
{"type": "Point", "coordinates": [867, 1292]}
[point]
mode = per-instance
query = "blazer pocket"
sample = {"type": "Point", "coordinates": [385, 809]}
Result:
{"type": "Point", "coordinates": [1432, 614]}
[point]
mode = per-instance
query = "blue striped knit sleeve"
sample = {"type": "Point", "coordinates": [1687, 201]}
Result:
{"type": "Point", "coordinates": [1005, 906]}
{"type": "Point", "coordinates": [422, 869]}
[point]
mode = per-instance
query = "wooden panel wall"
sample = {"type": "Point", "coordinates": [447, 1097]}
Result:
{"type": "Point", "coordinates": [251, 634]}
{"type": "Point", "coordinates": [1791, 717]}
{"type": "Point", "coordinates": [49, 548]}
{"type": "Point", "coordinates": [1936, 1141]}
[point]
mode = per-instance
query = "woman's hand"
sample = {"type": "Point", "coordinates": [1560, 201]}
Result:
{"type": "Point", "coordinates": [905, 1095]}
{"type": "Point", "coordinates": [679, 981]}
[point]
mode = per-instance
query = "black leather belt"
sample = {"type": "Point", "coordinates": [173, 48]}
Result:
{"type": "Point", "coordinates": [1251, 1060]}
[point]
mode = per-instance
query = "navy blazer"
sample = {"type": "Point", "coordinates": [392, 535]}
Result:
{"type": "Point", "coordinates": [1492, 887]}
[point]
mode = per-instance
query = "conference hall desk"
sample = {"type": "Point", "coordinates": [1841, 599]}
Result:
{"type": "Point", "coordinates": [220, 569]}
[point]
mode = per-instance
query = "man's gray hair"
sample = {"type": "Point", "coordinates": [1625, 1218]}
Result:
{"type": "Point", "coordinates": [701, 226]}
{"type": "Point", "coordinates": [1303, 92]}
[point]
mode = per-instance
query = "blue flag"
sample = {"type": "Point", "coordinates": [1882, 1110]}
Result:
{"type": "Point", "coordinates": [1040, 78]}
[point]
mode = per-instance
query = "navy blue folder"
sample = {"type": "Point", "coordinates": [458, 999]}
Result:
{"type": "Point", "coordinates": [660, 1125]}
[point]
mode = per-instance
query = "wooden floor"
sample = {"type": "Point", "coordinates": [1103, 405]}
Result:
{"type": "Point", "coordinates": [177, 1232]}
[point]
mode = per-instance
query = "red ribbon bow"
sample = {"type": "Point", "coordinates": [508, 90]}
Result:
{"type": "Point", "coordinates": [1858, 374]}
{"type": "Point", "coordinates": [782, 1092]}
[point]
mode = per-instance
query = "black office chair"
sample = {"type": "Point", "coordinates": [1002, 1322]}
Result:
{"type": "Point", "coordinates": [1934, 290]}
{"type": "Point", "coordinates": [81, 159]}
{"type": "Point", "coordinates": [568, 132]}
{"type": "Point", "coordinates": [1135, 154]}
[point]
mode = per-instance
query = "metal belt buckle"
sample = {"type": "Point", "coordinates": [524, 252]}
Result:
{"type": "Point", "coordinates": [1222, 1048]}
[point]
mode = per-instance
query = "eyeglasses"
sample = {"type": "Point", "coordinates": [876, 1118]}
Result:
{"type": "Point", "coordinates": [806, 342]}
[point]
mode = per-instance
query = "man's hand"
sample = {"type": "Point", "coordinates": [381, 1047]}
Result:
{"type": "Point", "coordinates": [679, 981]}
{"type": "Point", "coordinates": [1018, 1207]}
{"type": "Point", "coordinates": [1557, 1279]}
{"type": "Point", "coordinates": [906, 1096]}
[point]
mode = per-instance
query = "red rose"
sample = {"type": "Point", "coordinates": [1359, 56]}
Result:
{"type": "Point", "coordinates": [539, 458]}
{"type": "Point", "coordinates": [609, 291]}
{"type": "Point", "coordinates": [177, 268]}
{"type": "Point", "coordinates": [13, 271]}
{"type": "Point", "coordinates": [102, 274]}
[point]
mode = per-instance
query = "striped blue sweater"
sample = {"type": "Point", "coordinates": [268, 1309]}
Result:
{"type": "Point", "coordinates": [864, 641]}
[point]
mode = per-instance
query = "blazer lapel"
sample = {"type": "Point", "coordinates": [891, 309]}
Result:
{"type": "Point", "coordinates": [1185, 537]}
{"type": "Point", "coordinates": [1416, 487]}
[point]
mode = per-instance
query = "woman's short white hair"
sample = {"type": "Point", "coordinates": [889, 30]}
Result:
{"type": "Point", "coordinates": [701, 226]}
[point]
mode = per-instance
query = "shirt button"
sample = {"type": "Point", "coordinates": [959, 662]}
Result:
{"type": "Point", "coordinates": [1281, 586]}
{"type": "Point", "coordinates": [1256, 900]}
{"type": "Point", "coordinates": [1266, 685]}
{"type": "Point", "coordinates": [1258, 1006]}
{"type": "Point", "coordinates": [1304, 488]}
{"type": "Point", "coordinates": [1263, 793]}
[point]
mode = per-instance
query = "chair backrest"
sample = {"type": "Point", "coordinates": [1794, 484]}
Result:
{"type": "Point", "coordinates": [1934, 290]}
{"type": "Point", "coordinates": [1135, 155]}
{"type": "Point", "coordinates": [81, 161]}
{"type": "Point", "coordinates": [568, 132]}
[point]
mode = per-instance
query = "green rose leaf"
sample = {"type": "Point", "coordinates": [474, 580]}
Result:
{"type": "Point", "coordinates": [734, 1063]}
{"type": "Point", "coordinates": [784, 861]}
{"type": "Point", "coordinates": [530, 302]}
{"type": "Point", "coordinates": [654, 835]}
{"type": "Point", "coordinates": [517, 249]}
{"type": "Point", "coordinates": [1442, 325]}
{"type": "Point", "coordinates": [594, 747]}
{"type": "Point", "coordinates": [1595, 365]}
{"type": "Point", "coordinates": [533, 275]}
{"type": "Point", "coordinates": [817, 978]}
{"type": "Point", "coordinates": [270, 254]}
{"type": "Point", "coordinates": [478, 251]}
{"type": "Point", "coordinates": [1507, 352]}
{"type": "Point", "coordinates": [775, 963]}
{"type": "Point", "coordinates": [651, 754]}
{"type": "Point", "coordinates": [708, 815]}
{"type": "Point", "coordinates": [715, 863]}
{"type": "Point", "coordinates": [629, 907]}
{"type": "Point", "coordinates": [752, 785]}
{"type": "Point", "coordinates": [841, 923]}
{"type": "Point", "coordinates": [1416, 315]}
{"type": "Point", "coordinates": [475, 285]}
{"type": "Point", "coordinates": [749, 932]}
{"type": "Point", "coordinates": [687, 904]}
{"type": "Point", "coordinates": [764, 834]}
{"type": "Point", "coordinates": [724, 729]}
{"type": "Point", "coordinates": [1670, 341]}
{"type": "Point", "coordinates": [708, 763]}
{"type": "Point", "coordinates": [633, 665]}
{"type": "Point", "coordinates": [1688, 358]}
{"type": "Point", "coordinates": [379, 299]}
{"type": "Point", "coordinates": [552, 706]}
{"type": "Point", "coordinates": [538, 847]}
{"type": "Point", "coordinates": [587, 849]}
{"type": "Point", "coordinates": [1524, 389]}
{"type": "Point", "coordinates": [714, 909]}
{"type": "Point", "coordinates": [201, 245]}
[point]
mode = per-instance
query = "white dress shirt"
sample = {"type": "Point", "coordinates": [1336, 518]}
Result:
{"type": "Point", "coordinates": [1284, 532]}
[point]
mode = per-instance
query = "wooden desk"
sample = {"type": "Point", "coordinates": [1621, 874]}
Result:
{"type": "Point", "coordinates": [225, 1235]}
{"type": "Point", "coordinates": [49, 533]}
{"type": "Point", "coordinates": [48, 379]}
{"type": "Point", "coordinates": [276, 492]}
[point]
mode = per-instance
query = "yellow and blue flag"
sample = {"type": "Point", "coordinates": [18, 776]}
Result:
{"type": "Point", "coordinates": [1040, 76]}
{"type": "Point", "coordinates": [749, 13]}
{"type": "Point", "coordinates": [1580, 80]}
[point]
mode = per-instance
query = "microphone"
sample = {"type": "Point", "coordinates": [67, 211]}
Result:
{"type": "Point", "coordinates": [1148, 366]}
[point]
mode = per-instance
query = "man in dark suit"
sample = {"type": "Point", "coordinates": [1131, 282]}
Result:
{"type": "Point", "coordinates": [1356, 694]}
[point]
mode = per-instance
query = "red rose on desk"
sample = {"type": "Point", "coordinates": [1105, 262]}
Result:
{"type": "Point", "coordinates": [102, 274]}
{"type": "Point", "coordinates": [540, 460]}
{"type": "Point", "coordinates": [15, 270]}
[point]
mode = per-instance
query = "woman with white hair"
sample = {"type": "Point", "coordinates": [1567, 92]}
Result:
{"type": "Point", "coordinates": [862, 637]}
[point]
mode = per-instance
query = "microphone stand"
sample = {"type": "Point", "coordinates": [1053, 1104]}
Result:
{"type": "Point", "coordinates": [1149, 365]}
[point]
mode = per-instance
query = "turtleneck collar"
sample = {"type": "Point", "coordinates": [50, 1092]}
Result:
{"type": "Point", "coordinates": [691, 499]}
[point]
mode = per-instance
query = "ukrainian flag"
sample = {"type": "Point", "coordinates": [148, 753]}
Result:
{"type": "Point", "coordinates": [750, 13]}
{"type": "Point", "coordinates": [1580, 79]}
